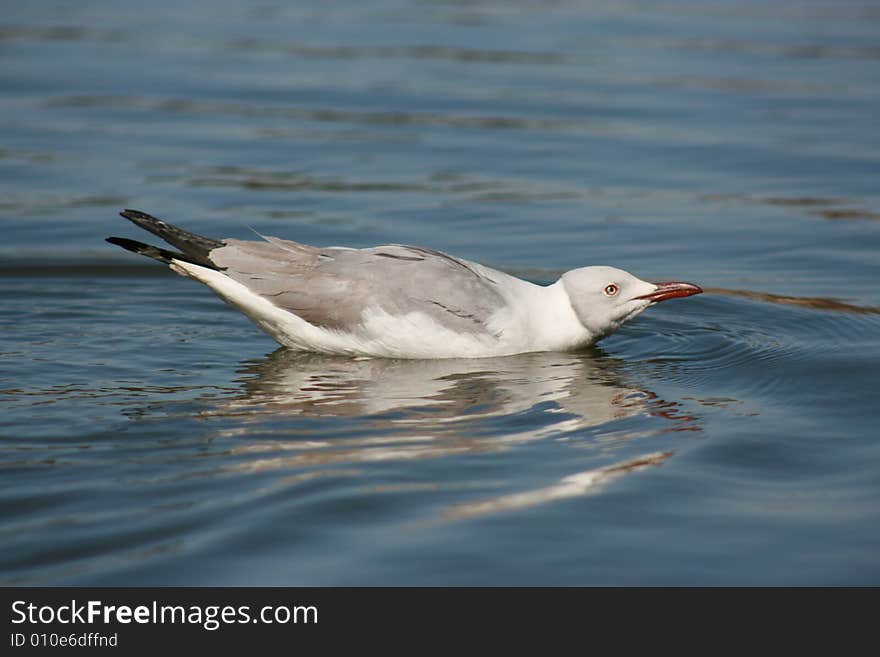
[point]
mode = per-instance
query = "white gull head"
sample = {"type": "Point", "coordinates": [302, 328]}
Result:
{"type": "Point", "coordinates": [603, 298]}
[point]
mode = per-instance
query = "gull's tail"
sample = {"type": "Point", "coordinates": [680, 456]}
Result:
{"type": "Point", "coordinates": [193, 248]}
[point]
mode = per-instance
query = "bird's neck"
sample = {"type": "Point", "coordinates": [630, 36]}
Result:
{"type": "Point", "coordinates": [555, 325]}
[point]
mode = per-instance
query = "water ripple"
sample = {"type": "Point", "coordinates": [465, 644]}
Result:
{"type": "Point", "coordinates": [431, 52]}
{"type": "Point", "coordinates": [759, 350]}
{"type": "Point", "coordinates": [326, 114]}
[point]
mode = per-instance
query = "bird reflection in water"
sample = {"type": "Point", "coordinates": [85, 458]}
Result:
{"type": "Point", "coordinates": [422, 409]}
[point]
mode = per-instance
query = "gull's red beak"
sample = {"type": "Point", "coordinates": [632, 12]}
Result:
{"type": "Point", "coordinates": [666, 291]}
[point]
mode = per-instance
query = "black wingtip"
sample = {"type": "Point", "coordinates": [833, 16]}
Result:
{"type": "Point", "coordinates": [196, 248]}
{"type": "Point", "coordinates": [154, 252]}
{"type": "Point", "coordinates": [131, 245]}
{"type": "Point", "coordinates": [131, 215]}
{"type": "Point", "coordinates": [142, 219]}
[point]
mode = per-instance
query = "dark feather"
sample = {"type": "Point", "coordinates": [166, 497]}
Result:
{"type": "Point", "coordinates": [155, 252]}
{"type": "Point", "coordinates": [195, 247]}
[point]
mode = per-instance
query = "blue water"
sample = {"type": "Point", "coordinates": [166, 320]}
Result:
{"type": "Point", "coordinates": [149, 434]}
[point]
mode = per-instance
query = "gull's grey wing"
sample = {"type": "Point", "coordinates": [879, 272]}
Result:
{"type": "Point", "coordinates": [332, 287]}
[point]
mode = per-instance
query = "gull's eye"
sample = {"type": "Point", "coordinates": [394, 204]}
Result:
{"type": "Point", "coordinates": [611, 290]}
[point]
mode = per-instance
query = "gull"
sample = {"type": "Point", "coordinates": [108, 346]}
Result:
{"type": "Point", "coordinates": [400, 301]}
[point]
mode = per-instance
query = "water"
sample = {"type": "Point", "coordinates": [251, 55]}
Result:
{"type": "Point", "coordinates": [151, 435]}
